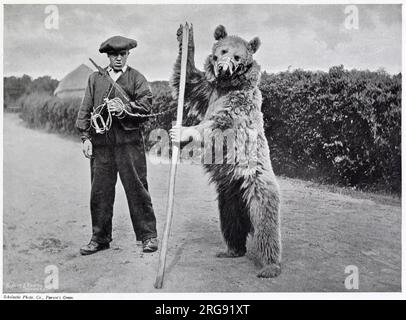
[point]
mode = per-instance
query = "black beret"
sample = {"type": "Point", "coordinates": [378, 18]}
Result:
{"type": "Point", "coordinates": [117, 43]}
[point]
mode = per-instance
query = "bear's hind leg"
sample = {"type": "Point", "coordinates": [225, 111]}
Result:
{"type": "Point", "coordinates": [267, 247]}
{"type": "Point", "coordinates": [235, 223]}
{"type": "Point", "coordinates": [265, 218]}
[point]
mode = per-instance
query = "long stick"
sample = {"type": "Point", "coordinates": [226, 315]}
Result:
{"type": "Point", "coordinates": [175, 156]}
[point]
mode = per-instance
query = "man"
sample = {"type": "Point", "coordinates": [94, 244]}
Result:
{"type": "Point", "coordinates": [117, 148]}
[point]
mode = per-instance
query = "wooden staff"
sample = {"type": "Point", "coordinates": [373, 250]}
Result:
{"type": "Point", "coordinates": [175, 156]}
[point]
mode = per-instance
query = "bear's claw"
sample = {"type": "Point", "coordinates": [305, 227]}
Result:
{"type": "Point", "coordinates": [270, 271]}
{"type": "Point", "coordinates": [179, 36]}
{"type": "Point", "coordinates": [230, 254]}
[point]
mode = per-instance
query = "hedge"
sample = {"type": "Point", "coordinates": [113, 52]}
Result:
{"type": "Point", "coordinates": [40, 110]}
{"type": "Point", "coordinates": [341, 127]}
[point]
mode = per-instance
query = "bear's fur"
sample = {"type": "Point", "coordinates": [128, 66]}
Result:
{"type": "Point", "coordinates": [226, 96]}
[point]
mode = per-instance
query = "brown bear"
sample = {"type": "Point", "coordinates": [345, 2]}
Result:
{"type": "Point", "coordinates": [226, 97]}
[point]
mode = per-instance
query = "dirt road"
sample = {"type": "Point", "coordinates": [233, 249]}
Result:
{"type": "Point", "coordinates": [46, 219]}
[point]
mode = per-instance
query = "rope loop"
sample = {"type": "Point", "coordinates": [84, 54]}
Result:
{"type": "Point", "coordinates": [101, 126]}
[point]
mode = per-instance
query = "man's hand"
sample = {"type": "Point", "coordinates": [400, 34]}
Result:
{"type": "Point", "coordinates": [115, 106]}
{"type": "Point", "coordinates": [87, 148]}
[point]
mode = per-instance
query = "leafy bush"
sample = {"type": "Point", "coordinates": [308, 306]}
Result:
{"type": "Point", "coordinates": [40, 110]}
{"type": "Point", "coordinates": [340, 127]}
{"type": "Point", "coordinates": [17, 87]}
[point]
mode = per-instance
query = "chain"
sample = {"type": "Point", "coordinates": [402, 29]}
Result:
{"type": "Point", "coordinates": [140, 115]}
{"type": "Point", "coordinates": [101, 126]}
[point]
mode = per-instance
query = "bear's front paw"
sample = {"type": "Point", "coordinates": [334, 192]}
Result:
{"type": "Point", "coordinates": [230, 254]}
{"type": "Point", "coordinates": [270, 271]}
{"type": "Point", "coordinates": [179, 36]}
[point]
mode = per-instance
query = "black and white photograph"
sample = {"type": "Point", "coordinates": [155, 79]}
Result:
{"type": "Point", "coordinates": [192, 148]}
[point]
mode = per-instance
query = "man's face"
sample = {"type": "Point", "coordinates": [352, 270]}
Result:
{"type": "Point", "coordinates": [118, 59]}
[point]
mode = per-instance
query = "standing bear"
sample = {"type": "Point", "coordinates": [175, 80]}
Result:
{"type": "Point", "coordinates": [226, 98]}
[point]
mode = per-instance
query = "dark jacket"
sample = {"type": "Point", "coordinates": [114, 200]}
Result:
{"type": "Point", "coordinates": [122, 130]}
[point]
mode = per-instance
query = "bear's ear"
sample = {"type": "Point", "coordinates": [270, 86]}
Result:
{"type": "Point", "coordinates": [220, 32]}
{"type": "Point", "coordinates": [254, 44]}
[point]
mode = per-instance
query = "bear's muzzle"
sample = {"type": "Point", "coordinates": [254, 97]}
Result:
{"type": "Point", "coordinates": [225, 67]}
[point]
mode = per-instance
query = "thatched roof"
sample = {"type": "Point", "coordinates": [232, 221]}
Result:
{"type": "Point", "coordinates": [75, 80]}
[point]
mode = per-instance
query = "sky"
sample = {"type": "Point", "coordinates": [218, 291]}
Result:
{"type": "Point", "coordinates": [310, 37]}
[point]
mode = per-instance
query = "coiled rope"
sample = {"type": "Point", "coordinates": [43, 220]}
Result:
{"type": "Point", "coordinates": [101, 126]}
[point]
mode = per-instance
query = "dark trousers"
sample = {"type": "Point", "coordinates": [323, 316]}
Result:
{"type": "Point", "coordinates": [129, 161]}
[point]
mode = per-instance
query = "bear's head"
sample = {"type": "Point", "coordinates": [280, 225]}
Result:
{"type": "Point", "coordinates": [231, 56]}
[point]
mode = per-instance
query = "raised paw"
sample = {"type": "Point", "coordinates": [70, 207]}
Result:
{"type": "Point", "coordinates": [230, 254]}
{"type": "Point", "coordinates": [179, 36]}
{"type": "Point", "coordinates": [270, 271]}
